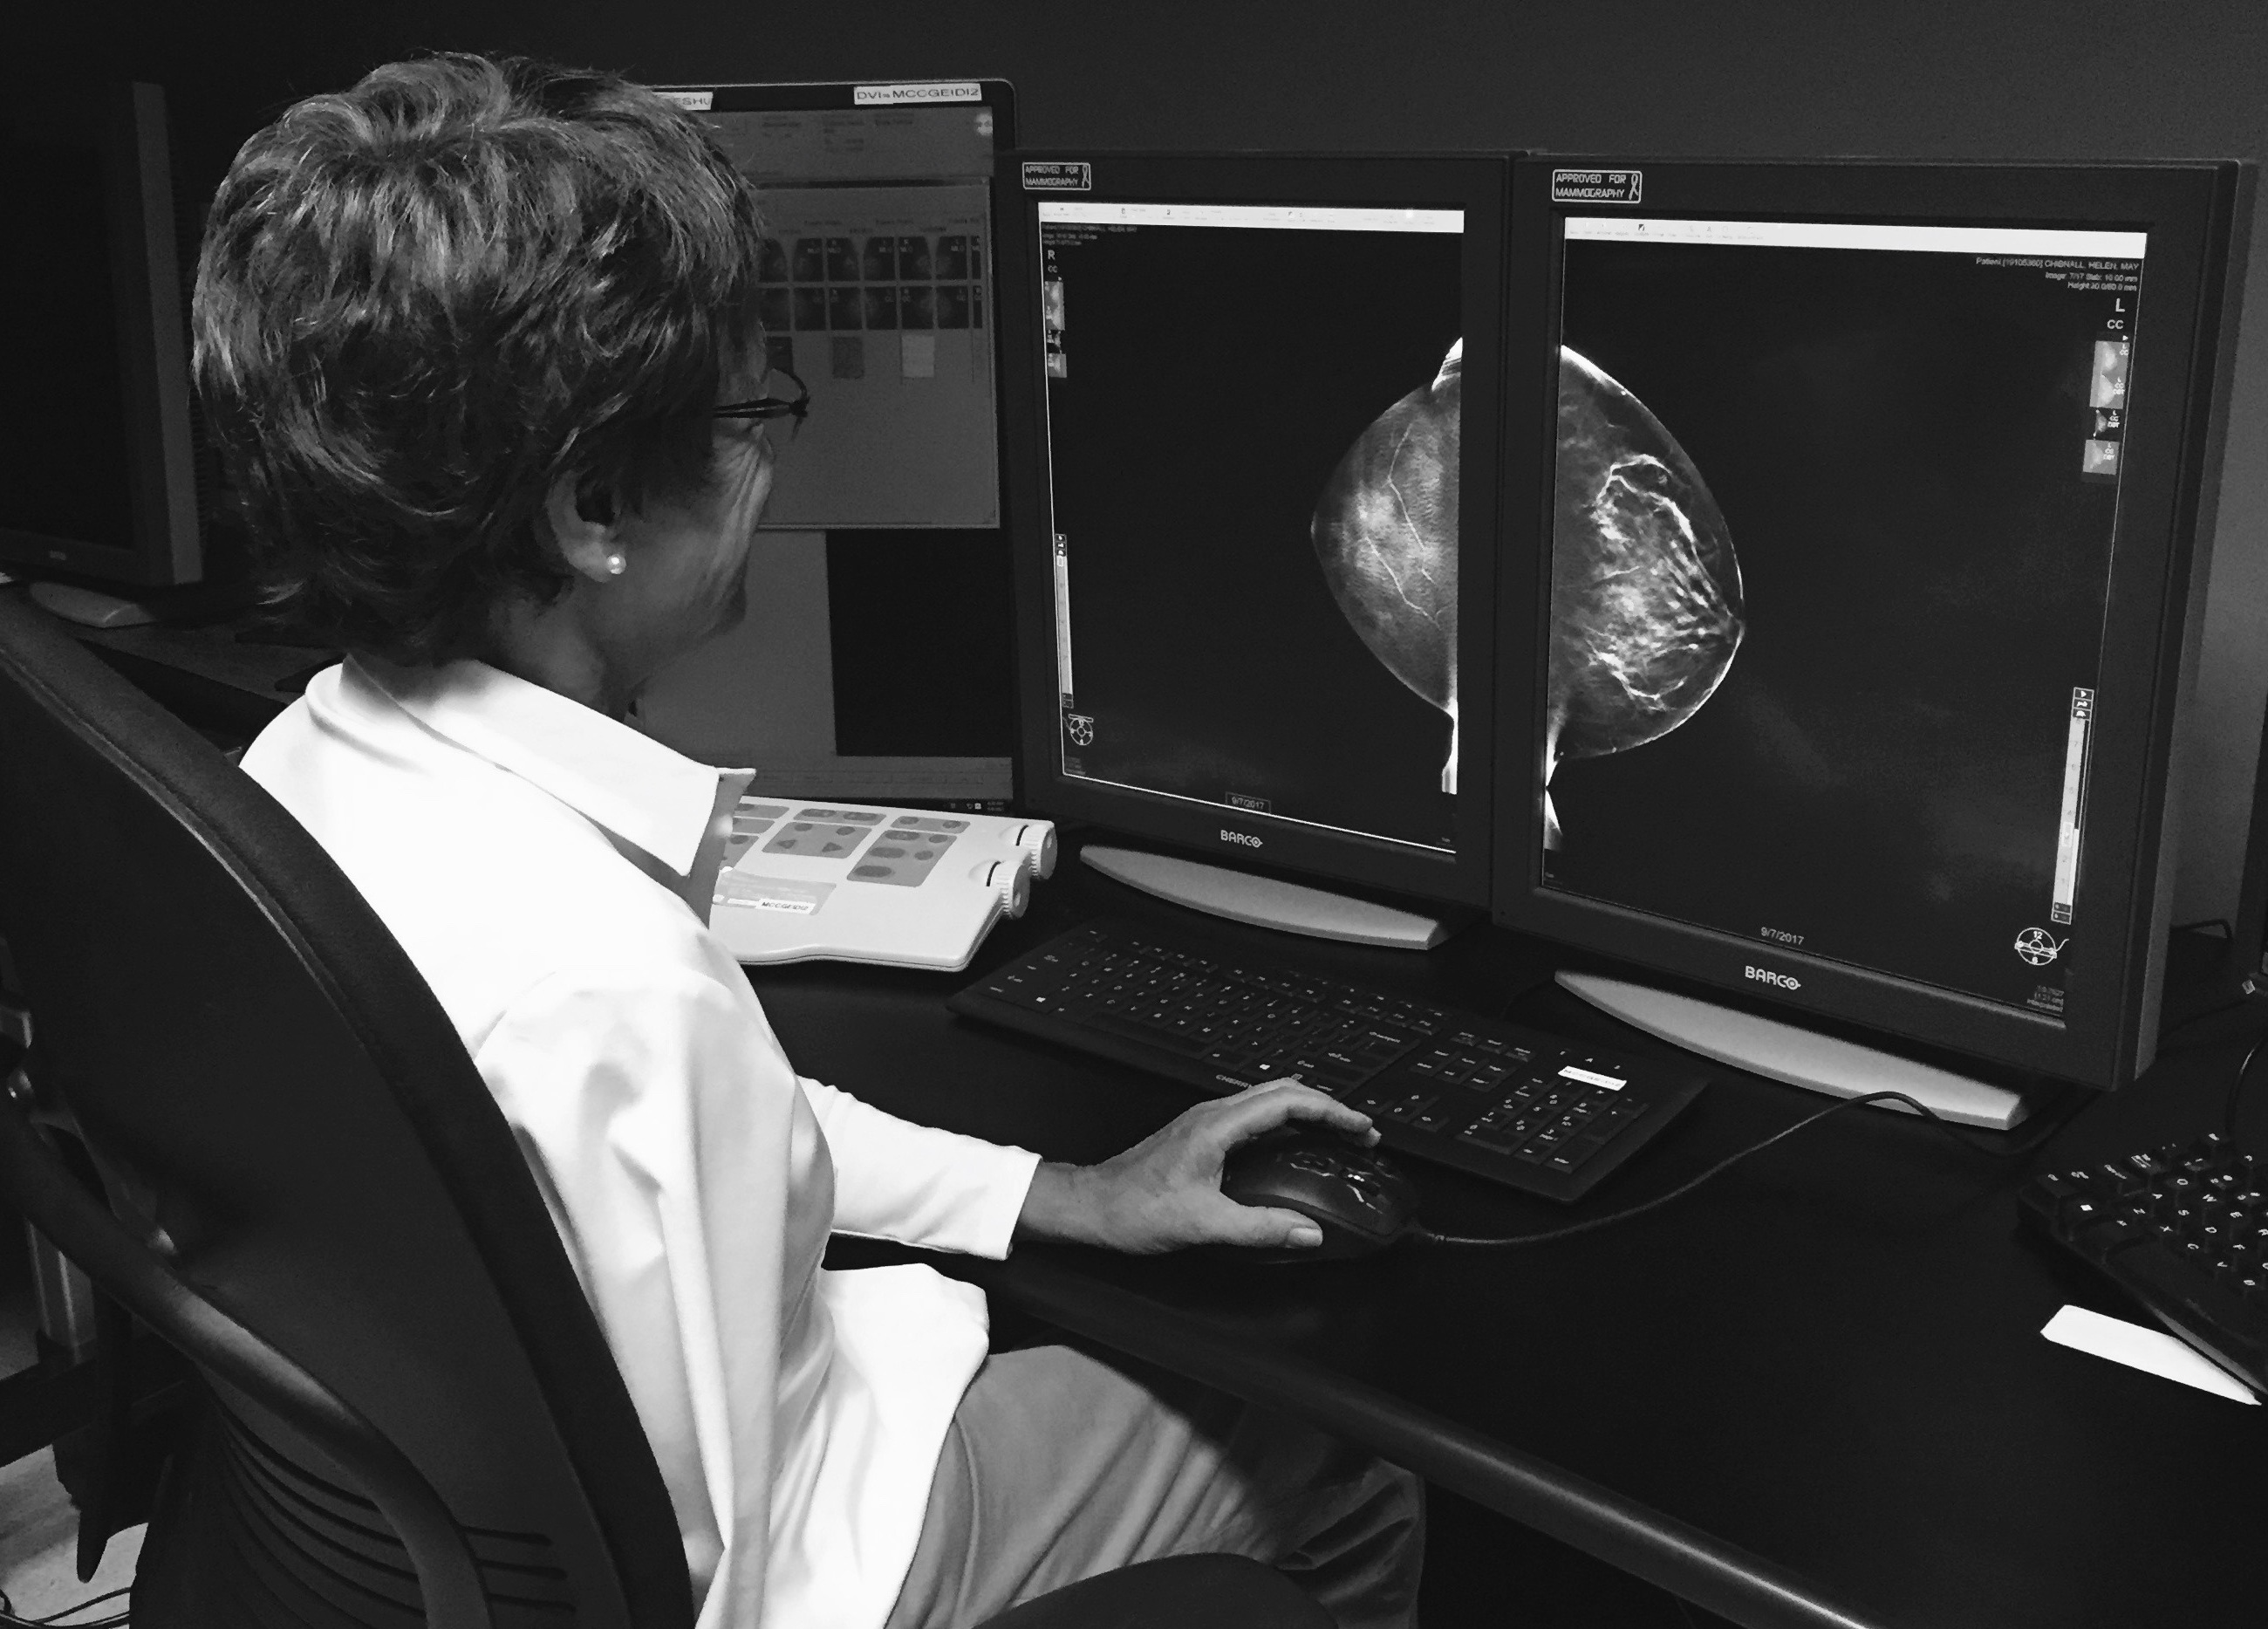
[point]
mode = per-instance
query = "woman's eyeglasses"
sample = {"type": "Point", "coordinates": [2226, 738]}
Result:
{"type": "Point", "coordinates": [796, 407]}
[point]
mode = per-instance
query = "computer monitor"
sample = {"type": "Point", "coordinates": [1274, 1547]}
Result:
{"type": "Point", "coordinates": [875, 290]}
{"type": "Point", "coordinates": [884, 553]}
{"type": "Point", "coordinates": [98, 462]}
{"type": "Point", "coordinates": [1252, 403]}
{"type": "Point", "coordinates": [1874, 500]}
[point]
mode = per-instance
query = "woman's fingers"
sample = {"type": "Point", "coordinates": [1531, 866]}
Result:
{"type": "Point", "coordinates": [1275, 1103]}
{"type": "Point", "coordinates": [1259, 1227]}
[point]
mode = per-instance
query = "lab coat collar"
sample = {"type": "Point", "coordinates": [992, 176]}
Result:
{"type": "Point", "coordinates": [630, 785]}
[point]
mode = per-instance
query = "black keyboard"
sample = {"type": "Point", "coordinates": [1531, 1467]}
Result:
{"type": "Point", "coordinates": [2183, 1229]}
{"type": "Point", "coordinates": [1512, 1104]}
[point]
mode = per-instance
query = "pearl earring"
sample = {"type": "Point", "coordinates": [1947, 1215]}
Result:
{"type": "Point", "coordinates": [616, 564]}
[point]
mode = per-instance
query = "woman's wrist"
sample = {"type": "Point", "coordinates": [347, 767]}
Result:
{"type": "Point", "coordinates": [1063, 1202]}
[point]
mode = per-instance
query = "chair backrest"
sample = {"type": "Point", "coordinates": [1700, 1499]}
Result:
{"type": "Point", "coordinates": [264, 1078]}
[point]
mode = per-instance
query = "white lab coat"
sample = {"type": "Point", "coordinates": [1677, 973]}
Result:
{"type": "Point", "coordinates": [534, 858]}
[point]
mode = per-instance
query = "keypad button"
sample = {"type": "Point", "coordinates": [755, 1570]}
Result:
{"type": "Point", "coordinates": [1572, 1155]}
{"type": "Point", "coordinates": [1435, 1117]}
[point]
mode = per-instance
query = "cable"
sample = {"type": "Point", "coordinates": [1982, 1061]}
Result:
{"type": "Point", "coordinates": [1427, 1236]}
{"type": "Point", "coordinates": [2176, 1037]}
{"type": "Point", "coordinates": [2229, 1105]}
{"type": "Point", "coordinates": [9, 1619]}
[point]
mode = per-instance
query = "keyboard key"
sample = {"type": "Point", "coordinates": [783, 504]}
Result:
{"type": "Point", "coordinates": [1111, 1024]}
{"type": "Point", "coordinates": [1371, 1101]}
{"type": "Point", "coordinates": [2115, 1233]}
{"type": "Point", "coordinates": [1572, 1153]}
{"type": "Point", "coordinates": [1015, 987]}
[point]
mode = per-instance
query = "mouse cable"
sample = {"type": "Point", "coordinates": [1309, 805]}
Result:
{"type": "Point", "coordinates": [1427, 1236]}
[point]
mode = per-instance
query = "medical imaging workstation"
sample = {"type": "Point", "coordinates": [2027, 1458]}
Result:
{"type": "Point", "coordinates": [1771, 581]}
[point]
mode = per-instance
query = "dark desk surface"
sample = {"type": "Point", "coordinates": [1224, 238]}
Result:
{"type": "Point", "coordinates": [1814, 1392]}
{"type": "Point", "coordinates": [225, 678]}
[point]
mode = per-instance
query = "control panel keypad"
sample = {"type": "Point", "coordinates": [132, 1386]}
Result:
{"type": "Point", "coordinates": [819, 839]}
{"type": "Point", "coordinates": [905, 854]}
{"type": "Point", "coordinates": [751, 819]}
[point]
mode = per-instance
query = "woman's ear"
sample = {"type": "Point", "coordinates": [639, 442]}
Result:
{"type": "Point", "coordinates": [584, 527]}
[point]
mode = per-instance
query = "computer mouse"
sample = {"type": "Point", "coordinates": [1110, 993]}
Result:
{"type": "Point", "coordinates": [1359, 1198]}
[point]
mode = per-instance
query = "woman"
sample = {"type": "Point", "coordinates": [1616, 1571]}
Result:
{"type": "Point", "coordinates": [476, 341]}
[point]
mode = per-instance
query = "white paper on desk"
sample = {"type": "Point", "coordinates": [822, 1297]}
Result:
{"type": "Point", "coordinates": [2153, 1352]}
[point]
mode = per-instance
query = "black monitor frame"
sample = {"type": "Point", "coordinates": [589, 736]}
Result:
{"type": "Point", "coordinates": [1477, 184]}
{"type": "Point", "coordinates": [157, 422]}
{"type": "Point", "coordinates": [2195, 214]}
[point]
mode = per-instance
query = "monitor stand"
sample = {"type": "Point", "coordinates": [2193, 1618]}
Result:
{"type": "Point", "coordinates": [1264, 901]}
{"type": "Point", "coordinates": [1783, 1051]}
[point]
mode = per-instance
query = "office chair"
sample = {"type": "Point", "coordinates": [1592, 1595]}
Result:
{"type": "Point", "coordinates": [407, 1412]}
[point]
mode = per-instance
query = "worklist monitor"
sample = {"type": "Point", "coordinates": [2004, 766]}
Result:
{"type": "Point", "coordinates": [875, 290]}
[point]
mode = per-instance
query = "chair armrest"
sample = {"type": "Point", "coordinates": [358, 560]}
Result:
{"type": "Point", "coordinates": [34, 1176]}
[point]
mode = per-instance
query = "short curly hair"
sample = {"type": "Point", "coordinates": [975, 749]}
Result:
{"type": "Point", "coordinates": [422, 301]}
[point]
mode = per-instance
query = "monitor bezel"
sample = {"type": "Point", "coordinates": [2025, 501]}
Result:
{"type": "Point", "coordinates": [1477, 183]}
{"type": "Point", "coordinates": [806, 95]}
{"type": "Point", "coordinates": [2193, 212]}
{"type": "Point", "coordinates": [150, 330]}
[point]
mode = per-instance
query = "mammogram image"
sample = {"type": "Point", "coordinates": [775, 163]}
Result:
{"type": "Point", "coordinates": [1647, 608]}
{"type": "Point", "coordinates": [1386, 532]}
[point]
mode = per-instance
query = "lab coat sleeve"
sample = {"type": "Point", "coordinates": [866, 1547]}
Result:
{"type": "Point", "coordinates": [917, 1184]}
